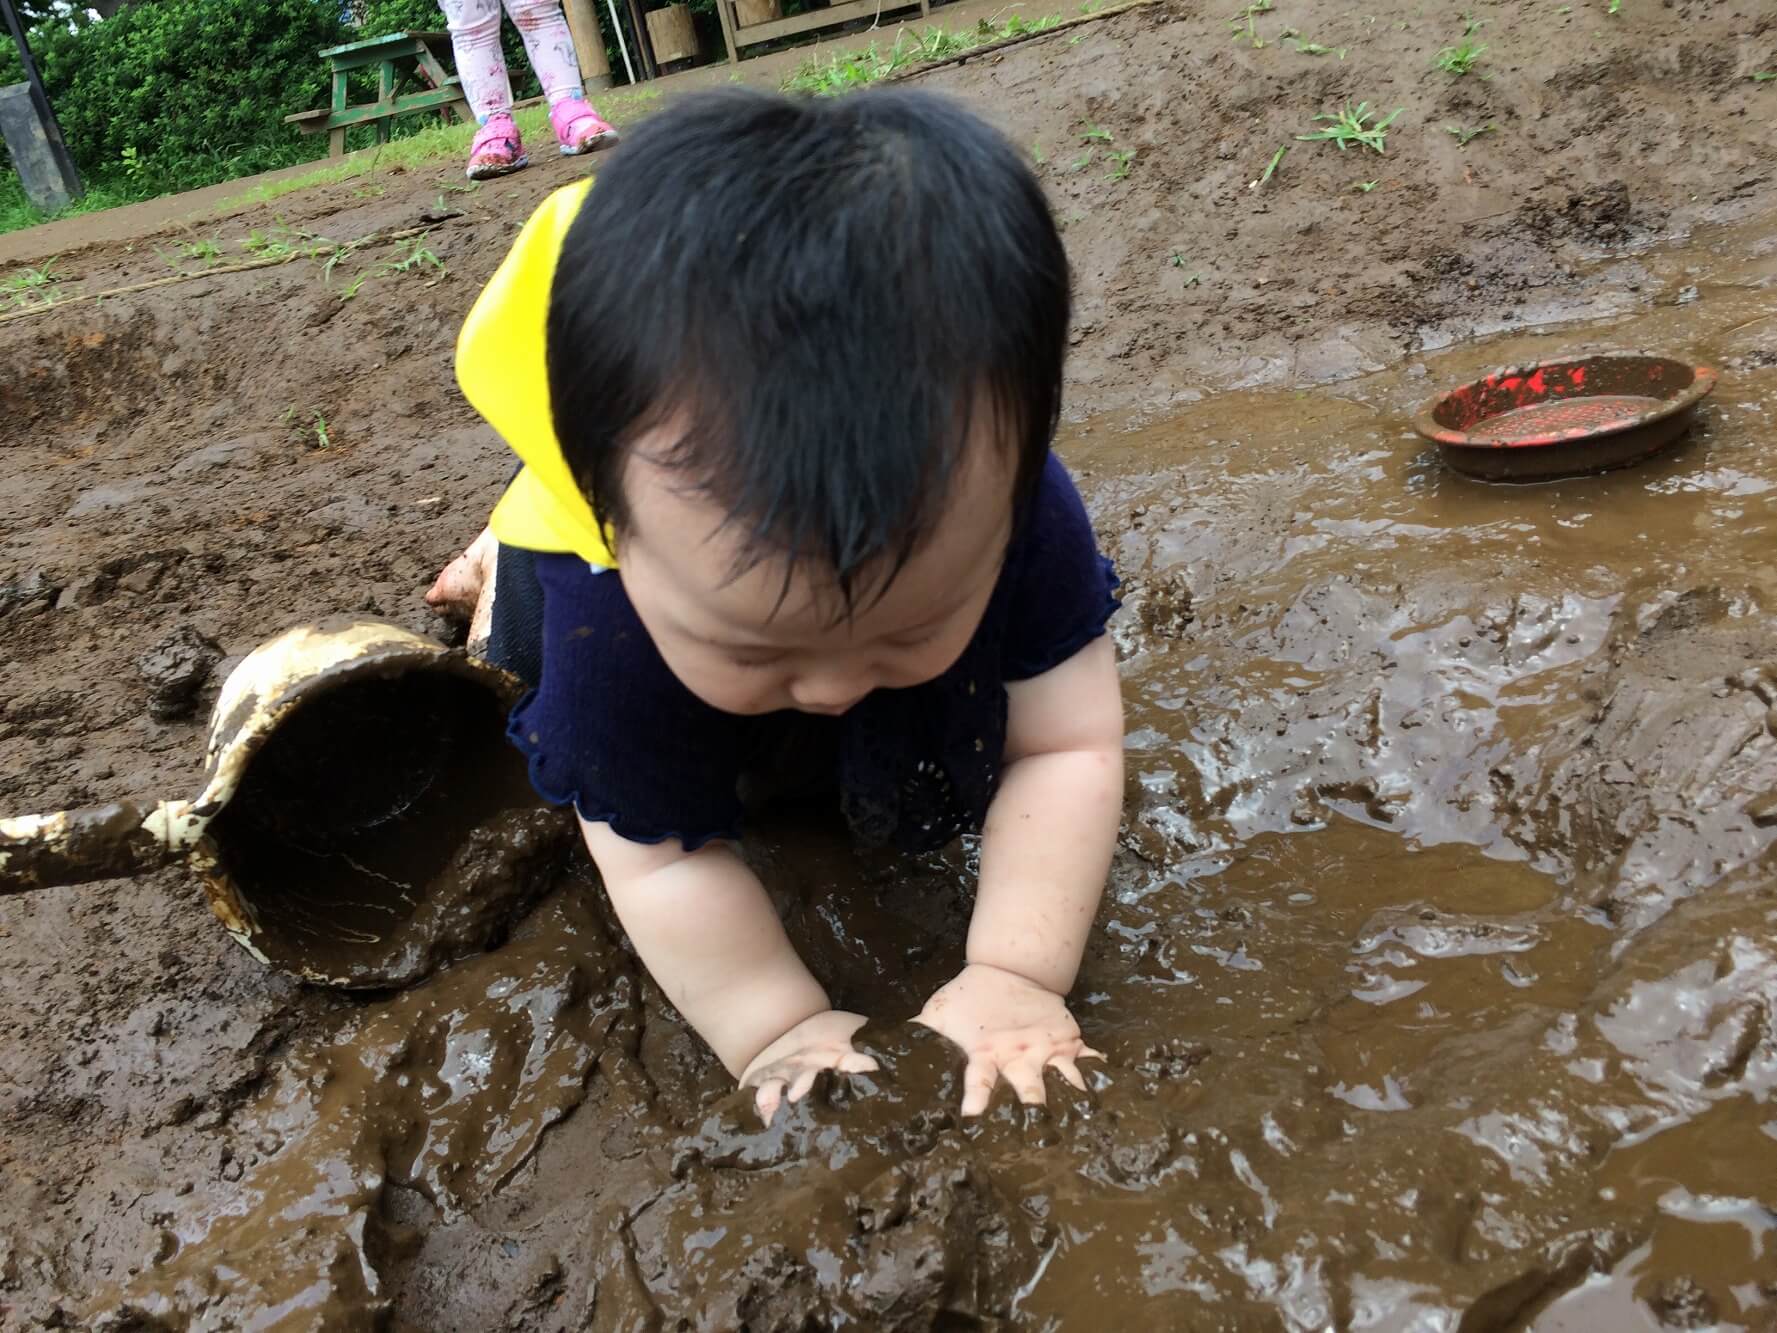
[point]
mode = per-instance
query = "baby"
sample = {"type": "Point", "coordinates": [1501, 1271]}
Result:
{"type": "Point", "coordinates": [784, 385]}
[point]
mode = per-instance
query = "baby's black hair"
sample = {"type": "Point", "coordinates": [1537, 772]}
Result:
{"type": "Point", "coordinates": [826, 292]}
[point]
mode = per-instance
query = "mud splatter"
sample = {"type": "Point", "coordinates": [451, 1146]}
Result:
{"type": "Point", "coordinates": [446, 1090]}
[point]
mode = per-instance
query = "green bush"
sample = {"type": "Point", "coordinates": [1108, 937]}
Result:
{"type": "Point", "coordinates": [380, 17]}
{"type": "Point", "coordinates": [170, 95]}
{"type": "Point", "coordinates": [181, 93]}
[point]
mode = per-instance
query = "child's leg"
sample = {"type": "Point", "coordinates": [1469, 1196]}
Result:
{"type": "Point", "coordinates": [475, 37]}
{"type": "Point", "coordinates": [457, 589]}
{"type": "Point", "coordinates": [551, 48]}
{"type": "Point", "coordinates": [496, 589]}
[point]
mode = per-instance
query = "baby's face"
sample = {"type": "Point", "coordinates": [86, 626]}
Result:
{"type": "Point", "coordinates": [745, 645]}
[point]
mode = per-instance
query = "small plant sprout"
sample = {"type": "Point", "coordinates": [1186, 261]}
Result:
{"type": "Point", "coordinates": [1241, 27]}
{"type": "Point", "coordinates": [339, 252]}
{"type": "Point", "coordinates": [1271, 167]}
{"type": "Point", "coordinates": [1094, 133]}
{"type": "Point", "coordinates": [1293, 37]}
{"type": "Point", "coordinates": [1016, 26]}
{"type": "Point", "coordinates": [1178, 261]}
{"type": "Point", "coordinates": [29, 287]}
{"type": "Point", "coordinates": [1459, 59]}
{"type": "Point", "coordinates": [1120, 160]}
{"type": "Point", "coordinates": [1351, 125]}
{"type": "Point", "coordinates": [1471, 25]}
{"type": "Point", "coordinates": [1081, 162]}
{"type": "Point", "coordinates": [263, 246]}
{"type": "Point", "coordinates": [1037, 154]}
{"type": "Point", "coordinates": [1092, 6]}
{"type": "Point", "coordinates": [1765, 76]}
{"type": "Point", "coordinates": [301, 425]}
{"type": "Point", "coordinates": [1464, 137]}
{"type": "Point", "coordinates": [1615, 7]}
{"type": "Point", "coordinates": [413, 253]}
{"type": "Point", "coordinates": [1364, 187]}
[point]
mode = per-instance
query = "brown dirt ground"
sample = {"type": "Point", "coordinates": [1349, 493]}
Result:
{"type": "Point", "coordinates": [239, 452]}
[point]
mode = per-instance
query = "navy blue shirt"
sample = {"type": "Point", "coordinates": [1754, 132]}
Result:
{"type": "Point", "coordinates": [610, 729]}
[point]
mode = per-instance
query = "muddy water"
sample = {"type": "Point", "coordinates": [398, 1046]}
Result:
{"type": "Point", "coordinates": [1438, 974]}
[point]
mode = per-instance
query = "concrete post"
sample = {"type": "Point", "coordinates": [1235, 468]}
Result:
{"type": "Point", "coordinates": [50, 180]}
{"type": "Point", "coordinates": [32, 135]}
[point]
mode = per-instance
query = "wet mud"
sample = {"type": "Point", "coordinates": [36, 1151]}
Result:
{"type": "Point", "coordinates": [1436, 979]}
{"type": "Point", "coordinates": [1438, 972]}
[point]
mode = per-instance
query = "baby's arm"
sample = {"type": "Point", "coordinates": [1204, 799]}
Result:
{"type": "Point", "coordinates": [710, 938]}
{"type": "Point", "coordinates": [1045, 851]}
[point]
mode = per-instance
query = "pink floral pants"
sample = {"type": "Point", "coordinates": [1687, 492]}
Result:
{"type": "Point", "coordinates": [475, 35]}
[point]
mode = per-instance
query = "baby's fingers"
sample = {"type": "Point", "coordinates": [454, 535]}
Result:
{"type": "Point", "coordinates": [769, 1097]}
{"type": "Point", "coordinates": [1025, 1074]}
{"type": "Point", "coordinates": [978, 1079]}
{"type": "Point", "coordinates": [804, 1081]}
{"type": "Point", "coordinates": [1065, 1066]}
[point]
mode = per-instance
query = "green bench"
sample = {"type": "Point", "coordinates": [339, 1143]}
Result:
{"type": "Point", "coordinates": [400, 59]}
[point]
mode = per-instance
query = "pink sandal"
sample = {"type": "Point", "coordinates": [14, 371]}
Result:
{"type": "Point", "coordinates": [496, 149]}
{"type": "Point", "coordinates": [579, 128]}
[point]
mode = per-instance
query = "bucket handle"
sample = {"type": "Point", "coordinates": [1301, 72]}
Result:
{"type": "Point", "coordinates": [94, 843]}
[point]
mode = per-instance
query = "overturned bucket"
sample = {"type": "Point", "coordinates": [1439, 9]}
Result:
{"type": "Point", "coordinates": [363, 818]}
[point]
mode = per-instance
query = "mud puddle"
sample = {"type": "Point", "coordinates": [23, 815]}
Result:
{"type": "Point", "coordinates": [1438, 975]}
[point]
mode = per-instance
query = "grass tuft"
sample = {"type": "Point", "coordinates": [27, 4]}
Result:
{"type": "Point", "coordinates": [851, 70]}
{"type": "Point", "coordinates": [1351, 125]}
{"type": "Point", "coordinates": [1242, 28]}
{"type": "Point", "coordinates": [29, 287]}
{"type": "Point", "coordinates": [1459, 59]}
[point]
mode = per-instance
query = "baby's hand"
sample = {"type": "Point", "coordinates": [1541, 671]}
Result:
{"type": "Point", "coordinates": [1008, 1027]}
{"type": "Point", "coordinates": [792, 1062]}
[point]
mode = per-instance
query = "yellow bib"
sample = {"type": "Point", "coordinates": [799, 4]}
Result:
{"type": "Point", "coordinates": [503, 366]}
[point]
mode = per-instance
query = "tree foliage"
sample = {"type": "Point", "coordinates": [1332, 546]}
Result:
{"type": "Point", "coordinates": [166, 95]}
{"type": "Point", "coordinates": [176, 93]}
